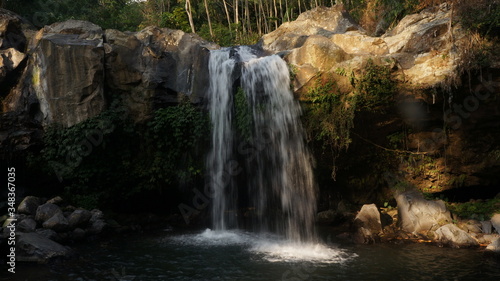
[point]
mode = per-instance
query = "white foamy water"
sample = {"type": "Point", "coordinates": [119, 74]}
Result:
{"type": "Point", "coordinates": [267, 247]}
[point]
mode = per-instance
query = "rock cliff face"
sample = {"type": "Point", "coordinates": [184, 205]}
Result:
{"type": "Point", "coordinates": [71, 71]}
{"type": "Point", "coordinates": [444, 129]}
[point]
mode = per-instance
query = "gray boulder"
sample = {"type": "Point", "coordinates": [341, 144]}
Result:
{"type": "Point", "coordinates": [79, 218]}
{"type": "Point", "coordinates": [29, 205]}
{"type": "Point", "coordinates": [56, 200]}
{"type": "Point", "coordinates": [453, 236]}
{"type": "Point", "coordinates": [48, 233]}
{"type": "Point", "coordinates": [46, 211]}
{"type": "Point", "coordinates": [368, 225]}
{"type": "Point", "coordinates": [27, 225]}
{"type": "Point", "coordinates": [78, 234]}
{"type": "Point", "coordinates": [96, 215]}
{"type": "Point", "coordinates": [495, 222]}
{"type": "Point", "coordinates": [57, 223]}
{"type": "Point", "coordinates": [97, 227]}
{"type": "Point", "coordinates": [486, 227]}
{"type": "Point", "coordinates": [494, 246]}
{"type": "Point", "coordinates": [34, 247]}
{"type": "Point", "coordinates": [419, 215]}
{"type": "Point", "coordinates": [79, 93]}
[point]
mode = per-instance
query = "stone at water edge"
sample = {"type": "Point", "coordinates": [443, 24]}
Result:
{"type": "Point", "coordinates": [46, 211]}
{"type": "Point", "coordinates": [79, 218]}
{"type": "Point", "coordinates": [27, 225]}
{"type": "Point", "coordinates": [417, 214]}
{"type": "Point", "coordinates": [368, 224]}
{"type": "Point", "coordinates": [57, 222]}
{"type": "Point", "coordinates": [495, 222]}
{"type": "Point", "coordinates": [494, 246]}
{"type": "Point", "coordinates": [37, 248]}
{"type": "Point", "coordinates": [29, 205]}
{"type": "Point", "coordinates": [486, 227]}
{"type": "Point", "coordinates": [453, 236]}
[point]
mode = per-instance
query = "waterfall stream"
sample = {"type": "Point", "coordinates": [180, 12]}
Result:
{"type": "Point", "coordinates": [258, 146]}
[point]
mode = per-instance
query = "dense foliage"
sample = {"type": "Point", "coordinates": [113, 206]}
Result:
{"type": "Point", "coordinates": [329, 112]}
{"type": "Point", "coordinates": [231, 22]}
{"type": "Point", "coordinates": [108, 159]}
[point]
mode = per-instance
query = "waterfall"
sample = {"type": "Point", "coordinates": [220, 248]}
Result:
{"type": "Point", "coordinates": [270, 162]}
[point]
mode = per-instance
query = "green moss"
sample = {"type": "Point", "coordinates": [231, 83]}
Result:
{"type": "Point", "coordinates": [375, 87]}
{"type": "Point", "coordinates": [482, 210]}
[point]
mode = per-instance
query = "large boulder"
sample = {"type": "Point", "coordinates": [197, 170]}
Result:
{"type": "Point", "coordinates": [453, 236]}
{"type": "Point", "coordinates": [495, 222]}
{"type": "Point", "coordinates": [27, 225]}
{"type": "Point", "coordinates": [46, 211]}
{"type": "Point", "coordinates": [29, 205]}
{"type": "Point", "coordinates": [494, 246]}
{"type": "Point", "coordinates": [419, 215]}
{"type": "Point", "coordinates": [12, 44]}
{"type": "Point", "coordinates": [57, 223]}
{"type": "Point", "coordinates": [367, 224]}
{"type": "Point", "coordinates": [67, 72]}
{"type": "Point", "coordinates": [321, 21]}
{"type": "Point", "coordinates": [154, 65]}
{"type": "Point", "coordinates": [34, 247]}
{"type": "Point", "coordinates": [79, 218]}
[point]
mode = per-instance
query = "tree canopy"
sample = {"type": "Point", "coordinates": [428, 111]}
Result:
{"type": "Point", "coordinates": [230, 22]}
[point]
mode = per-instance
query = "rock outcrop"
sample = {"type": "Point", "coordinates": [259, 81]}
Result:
{"type": "Point", "coordinates": [421, 44]}
{"type": "Point", "coordinates": [419, 215]}
{"type": "Point", "coordinates": [367, 224]}
{"type": "Point", "coordinates": [453, 236]}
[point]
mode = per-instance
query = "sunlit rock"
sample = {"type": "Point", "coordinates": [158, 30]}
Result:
{"type": "Point", "coordinates": [495, 222]}
{"type": "Point", "coordinates": [453, 236]}
{"type": "Point", "coordinates": [67, 72]}
{"type": "Point", "coordinates": [417, 214]}
{"type": "Point", "coordinates": [367, 224]}
{"type": "Point", "coordinates": [321, 21]}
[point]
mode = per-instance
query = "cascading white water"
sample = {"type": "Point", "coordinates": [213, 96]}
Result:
{"type": "Point", "coordinates": [220, 104]}
{"type": "Point", "coordinates": [279, 177]}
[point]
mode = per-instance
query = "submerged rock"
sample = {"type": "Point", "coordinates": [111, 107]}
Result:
{"type": "Point", "coordinates": [453, 236]}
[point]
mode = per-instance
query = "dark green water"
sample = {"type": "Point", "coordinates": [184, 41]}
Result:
{"type": "Point", "coordinates": [244, 256]}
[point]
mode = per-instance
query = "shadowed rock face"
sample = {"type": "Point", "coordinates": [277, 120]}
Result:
{"type": "Point", "coordinates": [72, 63]}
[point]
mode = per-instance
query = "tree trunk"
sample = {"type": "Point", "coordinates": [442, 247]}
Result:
{"type": "Point", "coordinates": [228, 17]}
{"type": "Point", "coordinates": [208, 19]}
{"type": "Point", "coordinates": [190, 15]}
